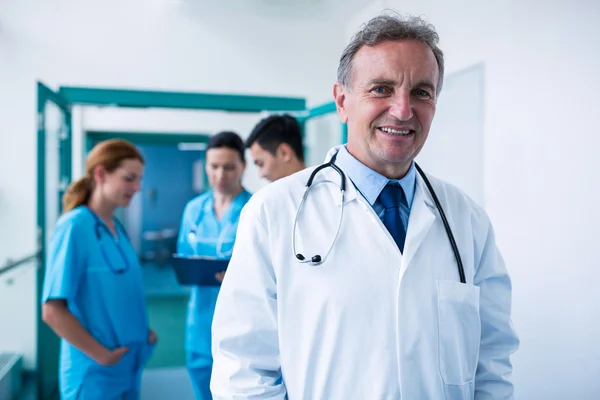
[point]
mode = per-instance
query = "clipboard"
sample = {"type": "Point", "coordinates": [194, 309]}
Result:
{"type": "Point", "coordinates": [198, 271]}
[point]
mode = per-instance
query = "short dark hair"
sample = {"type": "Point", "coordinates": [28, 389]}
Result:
{"type": "Point", "coordinates": [227, 139]}
{"type": "Point", "coordinates": [272, 131]}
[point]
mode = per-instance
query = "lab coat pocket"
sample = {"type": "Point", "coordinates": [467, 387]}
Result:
{"type": "Point", "coordinates": [459, 331]}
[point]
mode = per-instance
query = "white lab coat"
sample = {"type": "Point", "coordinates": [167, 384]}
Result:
{"type": "Point", "coordinates": [369, 323]}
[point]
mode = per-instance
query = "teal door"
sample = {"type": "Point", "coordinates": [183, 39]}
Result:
{"type": "Point", "coordinates": [53, 177]}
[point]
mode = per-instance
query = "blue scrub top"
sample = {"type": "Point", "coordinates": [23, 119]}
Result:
{"type": "Point", "coordinates": [101, 280]}
{"type": "Point", "coordinates": [202, 234]}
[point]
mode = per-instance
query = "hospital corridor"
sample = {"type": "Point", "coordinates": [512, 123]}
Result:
{"type": "Point", "coordinates": [299, 199]}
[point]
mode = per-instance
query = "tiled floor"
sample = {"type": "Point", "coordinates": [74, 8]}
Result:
{"type": "Point", "coordinates": [166, 383]}
{"type": "Point", "coordinates": [167, 318]}
{"type": "Point", "coordinates": [157, 384]}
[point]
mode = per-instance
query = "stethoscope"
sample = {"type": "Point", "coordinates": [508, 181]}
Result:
{"type": "Point", "coordinates": [318, 260]}
{"type": "Point", "coordinates": [99, 226]}
{"type": "Point", "coordinates": [192, 237]}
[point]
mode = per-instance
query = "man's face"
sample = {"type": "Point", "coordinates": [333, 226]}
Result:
{"type": "Point", "coordinates": [389, 104]}
{"type": "Point", "coordinates": [271, 167]}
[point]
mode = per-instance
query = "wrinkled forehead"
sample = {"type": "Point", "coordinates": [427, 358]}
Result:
{"type": "Point", "coordinates": [403, 60]}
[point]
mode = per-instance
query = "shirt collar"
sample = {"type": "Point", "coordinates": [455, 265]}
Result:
{"type": "Point", "coordinates": [370, 183]}
{"type": "Point", "coordinates": [238, 201]}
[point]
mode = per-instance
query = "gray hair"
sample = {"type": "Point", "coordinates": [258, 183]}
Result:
{"type": "Point", "coordinates": [390, 28]}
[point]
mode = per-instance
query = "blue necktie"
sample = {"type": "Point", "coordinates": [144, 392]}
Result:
{"type": "Point", "coordinates": [391, 197]}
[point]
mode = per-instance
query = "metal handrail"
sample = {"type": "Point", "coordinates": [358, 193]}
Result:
{"type": "Point", "coordinates": [10, 265]}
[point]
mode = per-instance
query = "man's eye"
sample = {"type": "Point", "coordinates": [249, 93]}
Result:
{"type": "Point", "coordinates": [422, 93]}
{"type": "Point", "coordinates": [380, 90]}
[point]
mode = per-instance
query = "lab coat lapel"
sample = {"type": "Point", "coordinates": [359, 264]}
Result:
{"type": "Point", "coordinates": [419, 222]}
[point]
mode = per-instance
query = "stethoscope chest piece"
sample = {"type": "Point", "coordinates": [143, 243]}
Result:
{"type": "Point", "coordinates": [315, 260]}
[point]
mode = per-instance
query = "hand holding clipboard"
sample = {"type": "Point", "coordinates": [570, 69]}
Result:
{"type": "Point", "coordinates": [199, 271]}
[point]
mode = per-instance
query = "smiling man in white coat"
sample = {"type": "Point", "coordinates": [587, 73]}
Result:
{"type": "Point", "coordinates": [360, 295]}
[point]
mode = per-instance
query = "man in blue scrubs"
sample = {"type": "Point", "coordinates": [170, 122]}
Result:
{"type": "Point", "coordinates": [208, 228]}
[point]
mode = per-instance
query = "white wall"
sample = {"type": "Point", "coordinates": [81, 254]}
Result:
{"type": "Point", "coordinates": [322, 133]}
{"type": "Point", "coordinates": [161, 45]}
{"type": "Point", "coordinates": [454, 150]}
{"type": "Point", "coordinates": [540, 172]}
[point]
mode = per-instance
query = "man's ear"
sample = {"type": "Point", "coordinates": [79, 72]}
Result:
{"type": "Point", "coordinates": [339, 95]}
{"type": "Point", "coordinates": [285, 151]}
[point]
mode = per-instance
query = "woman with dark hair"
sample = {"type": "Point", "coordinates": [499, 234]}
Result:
{"type": "Point", "coordinates": [208, 228]}
{"type": "Point", "coordinates": [93, 295]}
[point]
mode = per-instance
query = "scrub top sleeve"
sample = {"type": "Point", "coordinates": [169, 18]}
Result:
{"type": "Point", "coordinates": [66, 262]}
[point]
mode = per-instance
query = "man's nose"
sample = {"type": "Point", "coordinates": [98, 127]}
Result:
{"type": "Point", "coordinates": [401, 107]}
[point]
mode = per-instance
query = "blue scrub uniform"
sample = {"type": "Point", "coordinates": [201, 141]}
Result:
{"type": "Point", "coordinates": [99, 276]}
{"type": "Point", "coordinates": [202, 234]}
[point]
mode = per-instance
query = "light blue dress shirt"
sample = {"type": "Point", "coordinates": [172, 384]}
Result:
{"type": "Point", "coordinates": [370, 183]}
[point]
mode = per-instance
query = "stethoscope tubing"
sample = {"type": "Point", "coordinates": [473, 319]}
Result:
{"type": "Point", "coordinates": [318, 260]}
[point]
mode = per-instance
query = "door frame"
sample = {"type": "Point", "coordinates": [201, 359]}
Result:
{"type": "Point", "coordinates": [68, 96]}
{"type": "Point", "coordinates": [144, 138]}
{"type": "Point", "coordinates": [43, 332]}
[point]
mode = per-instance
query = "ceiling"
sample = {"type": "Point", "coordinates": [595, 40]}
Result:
{"type": "Point", "coordinates": [284, 9]}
